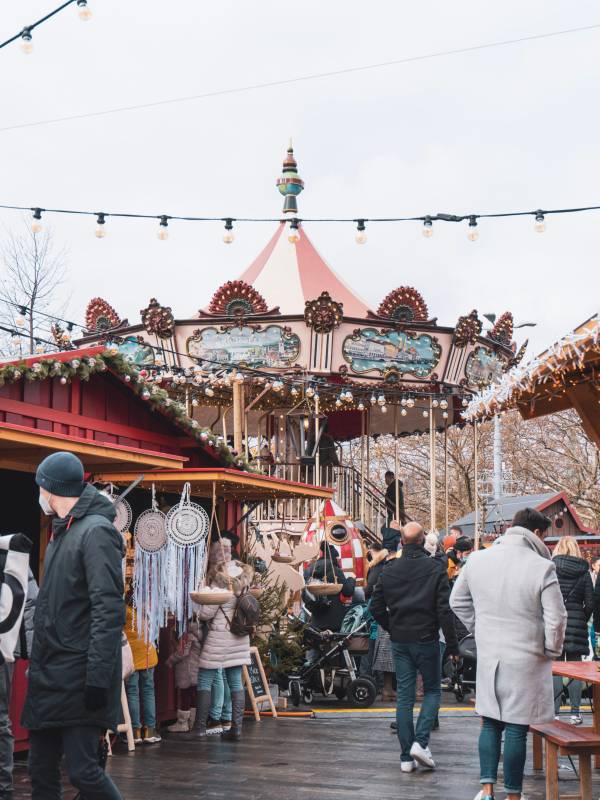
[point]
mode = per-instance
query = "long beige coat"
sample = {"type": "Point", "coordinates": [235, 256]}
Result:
{"type": "Point", "coordinates": [508, 596]}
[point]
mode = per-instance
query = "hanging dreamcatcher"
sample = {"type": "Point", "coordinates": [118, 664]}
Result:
{"type": "Point", "coordinates": [122, 508]}
{"type": "Point", "coordinates": [188, 527]}
{"type": "Point", "coordinates": [211, 595]}
{"type": "Point", "coordinates": [149, 586]}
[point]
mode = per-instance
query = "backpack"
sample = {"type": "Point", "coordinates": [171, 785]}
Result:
{"type": "Point", "coordinates": [246, 615]}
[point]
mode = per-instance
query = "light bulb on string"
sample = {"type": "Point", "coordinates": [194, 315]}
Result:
{"type": "Point", "coordinates": [540, 224]}
{"type": "Point", "coordinates": [228, 236]}
{"type": "Point", "coordinates": [428, 227]}
{"type": "Point", "coordinates": [473, 233]}
{"type": "Point", "coordinates": [425, 412]}
{"type": "Point", "coordinates": [85, 13]}
{"type": "Point", "coordinates": [361, 236]}
{"type": "Point", "coordinates": [361, 406]}
{"type": "Point", "coordinates": [403, 412]}
{"type": "Point", "coordinates": [26, 42]}
{"type": "Point", "coordinates": [294, 234]}
{"type": "Point", "coordinates": [163, 228]}
{"type": "Point", "coordinates": [36, 222]}
{"type": "Point", "coordinates": [100, 226]}
{"type": "Point", "coordinates": [373, 399]}
{"type": "Point", "coordinates": [384, 409]}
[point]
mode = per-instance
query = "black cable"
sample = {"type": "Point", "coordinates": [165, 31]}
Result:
{"type": "Point", "coordinates": [34, 25]}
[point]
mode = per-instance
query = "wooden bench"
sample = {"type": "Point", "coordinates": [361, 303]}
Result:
{"type": "Point", "coordinates": [565, 739]}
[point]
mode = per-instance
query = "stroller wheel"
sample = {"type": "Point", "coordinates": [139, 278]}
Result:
{"type": "Point", "coordinates": [295, 693]}
{"type": "Point", "coordinates": [307, 696]}
{"type": "Point", "coordinates": [362, 692]}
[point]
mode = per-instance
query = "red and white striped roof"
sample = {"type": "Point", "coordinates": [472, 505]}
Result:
{"type": "Point", "coordinates": [287, 275]}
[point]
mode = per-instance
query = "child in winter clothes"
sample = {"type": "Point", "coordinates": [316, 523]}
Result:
{"type": "Point", "coordinates": [185, 661]}
{"type": "Point", "coordinates": [141, 683]}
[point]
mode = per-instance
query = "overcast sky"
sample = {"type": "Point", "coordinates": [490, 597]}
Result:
{"type": "Point", "coordinates": [515, 127]}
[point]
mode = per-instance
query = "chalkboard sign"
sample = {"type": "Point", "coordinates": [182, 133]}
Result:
{"type": "Point", "coordinates": [257, 685]}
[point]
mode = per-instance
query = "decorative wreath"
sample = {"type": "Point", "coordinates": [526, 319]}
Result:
{"type": "Point", "coordinates": [237, 298]}
{"type": "Point", "coordinates": [503, 329]}
{"type": "Point", "coordinates": [467, 329]}
{"type": "Point", "coordinates": [404, 304]}
{"type": "Point", "coordinates": [100, 315]}
{"type": "Point", "coordinates": [323, 314]}
{"type": "Point", "coordinates": [158, 319]}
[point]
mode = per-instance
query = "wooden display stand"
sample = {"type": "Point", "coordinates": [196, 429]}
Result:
{"type": "Point", "coordinates": [257, 685]}
{"type": "Point", "coordinates": [124, 727]}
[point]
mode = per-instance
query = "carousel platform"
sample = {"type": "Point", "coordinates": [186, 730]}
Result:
{"type": "Point", "coordinates": [331, 757]}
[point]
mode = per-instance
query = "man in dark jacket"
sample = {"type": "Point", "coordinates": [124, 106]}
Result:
{"type": "Point", "coordinates": [411, 601]}
{"type": "Point", "coordinates": [75, 669]}
{"type": "Point", "coordinates": [394, 490]}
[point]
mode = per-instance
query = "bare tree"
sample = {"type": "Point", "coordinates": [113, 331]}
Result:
{"type": "Point", "coordinates": [33, 272]}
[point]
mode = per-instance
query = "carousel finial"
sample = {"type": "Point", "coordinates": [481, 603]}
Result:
{"type": "Point", "coordinates": [290, 184]}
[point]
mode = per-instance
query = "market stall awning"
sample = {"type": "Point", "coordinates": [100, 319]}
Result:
{"type": "Point", "coordinates": [230, 484]}
{"type": "Point", "coordinates": [22, 449]}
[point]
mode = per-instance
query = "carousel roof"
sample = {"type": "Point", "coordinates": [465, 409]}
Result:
{"type": "Point", "coordinates": [289, 274]}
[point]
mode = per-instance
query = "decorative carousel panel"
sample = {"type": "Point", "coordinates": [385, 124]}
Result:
{"type": "Point", "coordinates": [400, 352]}
{"type": "Point", "coordinates": [273, 346]}
{"type": "Point", "coordinates": [138, 353]}
{"type": "Point", "coordinates": [483, 367]}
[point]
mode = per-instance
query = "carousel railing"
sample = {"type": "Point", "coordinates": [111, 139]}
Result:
{"type": "Point", "coordinates": [348, 485]}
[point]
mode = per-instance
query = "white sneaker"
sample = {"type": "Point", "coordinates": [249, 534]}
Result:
{"type": "Point", "coordinates": [408, 766]}
{"type": "Point", "coordinates": [481, 796]}
{"type": "Point", "coordinates": [422, 755]}
{"type": "Point", "coordinates": [576, 719]}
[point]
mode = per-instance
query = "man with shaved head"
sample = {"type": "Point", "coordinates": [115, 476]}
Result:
{"type": "Point", "coordinates": [411, 602]}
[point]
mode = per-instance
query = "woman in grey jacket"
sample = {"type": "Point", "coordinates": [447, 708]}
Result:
{"type": "Point", "coordinates": [509, 597]}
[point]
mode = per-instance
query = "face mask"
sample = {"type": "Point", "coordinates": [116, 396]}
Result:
{"type": "Point", "coordinates": [45, 506]}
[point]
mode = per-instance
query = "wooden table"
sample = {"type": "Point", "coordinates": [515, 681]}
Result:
{"type": "Point", "coordinates": [588, 672]}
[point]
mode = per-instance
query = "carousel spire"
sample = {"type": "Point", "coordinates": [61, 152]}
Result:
{"type": "Point", "coordinates": [290, 184]}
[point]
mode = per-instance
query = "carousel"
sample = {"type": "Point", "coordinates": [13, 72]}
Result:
{"type": "Point", "coordinates": [286, 362]}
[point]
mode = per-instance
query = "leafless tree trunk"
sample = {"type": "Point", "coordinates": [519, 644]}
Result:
{"type": "Point", "coordinates": [33, 272]}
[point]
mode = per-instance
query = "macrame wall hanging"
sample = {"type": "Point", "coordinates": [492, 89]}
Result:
{"type": "Point", "coordinates": [122, 508]}
{"type": "Point", "coordinates": [188, 529]}
{"type": "Point", "coordinates": [213, 595]}
{"type": "Point", "coordinates": [149, 585]}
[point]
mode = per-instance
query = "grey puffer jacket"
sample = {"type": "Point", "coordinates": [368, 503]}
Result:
{"type": "Point", "coordinates": [221, 648]}
{"type": "Point", "coordinates": [78, 620]}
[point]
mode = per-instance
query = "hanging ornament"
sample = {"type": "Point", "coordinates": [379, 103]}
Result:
{"type": "Point", "coordinates": [122, 508]}
{"type": "Point", "coordinates": [149, 584]}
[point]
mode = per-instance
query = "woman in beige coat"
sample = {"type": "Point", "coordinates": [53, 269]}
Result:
{"type": "Point", "coordinates": [508, 596]}
{"type": "Point", "coordinates": [222, 649]}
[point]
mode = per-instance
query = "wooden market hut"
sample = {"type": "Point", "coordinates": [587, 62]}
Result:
{"type": "Point", "coordinates": [91, 402]}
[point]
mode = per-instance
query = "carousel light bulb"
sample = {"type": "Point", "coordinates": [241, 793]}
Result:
{"type": "Point", "coordinates": [26, 43]}
{"type": "Point", "coordinates": [338, 402]}
{"type": "Point", "coordinates": [209, 392]}
{"type": "Point", "coordinates": [403, 401]}
{"type": "Point", "coordinates": [435, 403]}
{"type": "Point", "coordinates": [539, 225]}
{"type": "Point", "coordinates": [473, 233]}
{"type": "Point", "coordinates": [195, 402]}
{"type": "Point", "coordinates": [381, 400]}
{"type": "Point", "coordinates": [445, 415]}
{"type": "Point", "coordinates": [410, 402]}
{"type": "Point", "coordinates": [427, 228]}
{"type": "Point", "coordinates": [306, 423]}
{"type": "Point", "coordinates": [361, 406]}
{"type": "Point", "coordinates": [85, 13]}
{"type": "Point", "coordinates": [373, 400]}
{"type": "Point", "coordinates": [163, 229]}
{"type": "Point", "coordinates": [100, 229]}
{"type": "Point", "coordinates": [443, 404]}
{"type": "Point", "coordinates": [403, 412]}
{"type": "Point", "coordinates": [228, 236]}
{"type": "Point", "coordinates": [310, 392]}
{"type": "Point", "coordinates": [20, 322]}
{"type": "Point", "coordinates": [384, 409]}
{"type": "Point", "coordinates": [294, 234]}
{"type": "Point", "coordinates": [349, 396]}
{"type": "Point", "coordinates": [361, 236]}
{"type": "Point", "coordinates": [425, 412]}
{"type": "Point", "coordinates": [465, 402]}
{"type": "Point", "coordinates": [36, 222]}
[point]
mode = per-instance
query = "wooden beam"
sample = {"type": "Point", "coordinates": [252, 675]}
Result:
{"type": "Point", "coordinates": [584, 400]}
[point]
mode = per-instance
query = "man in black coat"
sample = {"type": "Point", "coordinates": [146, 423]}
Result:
{"type": "Point", "coordinates": [394, 489]}
{"type": "Point", "coordinates": [75, 669]}
{"type": "Point", "coordinates": [411, 602]}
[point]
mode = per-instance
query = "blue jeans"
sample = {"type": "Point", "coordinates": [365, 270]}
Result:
{"type": "Point", "coordinates": [141, 683]}
{"type": "Point", "coordinates": [206, 678]}
{"type": "Point", "coordinates": [515, 751]}
{"type": "Point", "coordinates": [221, 698]}
{"type": "Point", "coordinates": [410, 659]}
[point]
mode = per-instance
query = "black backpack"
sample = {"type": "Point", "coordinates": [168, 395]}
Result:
{"type": "Point", "coordinates": [246, 615]}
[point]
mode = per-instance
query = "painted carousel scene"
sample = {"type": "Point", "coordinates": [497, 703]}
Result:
{"type": "Point", "coordinates": [283, 514]}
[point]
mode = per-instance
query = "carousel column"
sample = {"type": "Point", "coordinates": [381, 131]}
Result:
{"type": "Point", "coordinates": [396, 476]}
{"type": "Point", "coordinates": [317, 459]}
{"type": "Point", "coordinates": [476, 481]}
{"type": "Point", "coordinates": [446, 512]}
{"type": "Point", "coordinates": [238, 414]}
{"type": "Point", "coordinates": [363, 422]}
{"type": "Point", "coordinates": [432, 469]}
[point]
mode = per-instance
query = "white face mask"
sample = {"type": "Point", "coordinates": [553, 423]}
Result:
{"type": "Point", "coordinates": [45, 506]}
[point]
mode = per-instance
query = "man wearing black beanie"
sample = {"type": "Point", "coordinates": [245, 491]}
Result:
{"type": "Point", "coordinates": [74, 686]}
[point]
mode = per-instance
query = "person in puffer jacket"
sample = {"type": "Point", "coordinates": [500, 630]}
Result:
{"type": "Point", "coordinates": [222, 649]}
{"type": "Point", "coordinates": [578, 594]}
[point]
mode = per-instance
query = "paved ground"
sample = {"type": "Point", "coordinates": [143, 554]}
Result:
{"type": "Point", "coordinates": [333, 757]}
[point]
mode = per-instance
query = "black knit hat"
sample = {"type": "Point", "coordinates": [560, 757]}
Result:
{"type": "Point", "coordinates": [61, 474]}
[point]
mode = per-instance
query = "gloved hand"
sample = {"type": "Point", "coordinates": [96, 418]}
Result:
{"type": "Point", "coordinates": [94, 698]}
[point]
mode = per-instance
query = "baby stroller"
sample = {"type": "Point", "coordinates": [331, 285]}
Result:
{"type": "Point", "coordinates": [333, 671]}
{"type": "Point", "coordinates": [463, 672]}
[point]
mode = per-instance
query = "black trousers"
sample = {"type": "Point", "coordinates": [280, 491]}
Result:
{"type": "Point", "coordinates": [79, 746]}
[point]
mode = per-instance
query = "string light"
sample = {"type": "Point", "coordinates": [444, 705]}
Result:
{"type": "Point", "coordinates": [294, 234]}
{"type": "Point", "coordinates": [228, 236]}
{"type": "Point", "coordinates": [36, 223]}
{"type": "Point", "coordinates": [361, 236]}
{"type": "Point", "coordinates": [427, 228]}
{"type": "Point", "coordinates": [403, 412]}
{"type": "Point", "coordinates": [100, 229]}
{"type": "Point", "coordinates": [85, 13]}
{"type": "Point", "coordinates": [540, 224]}
{"type": "Point", "coordinates": [473, 233]}
{"type": "Point", "coordinates": [26, 42]}
{"type": "Point", "coordinates": [163, 228]}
